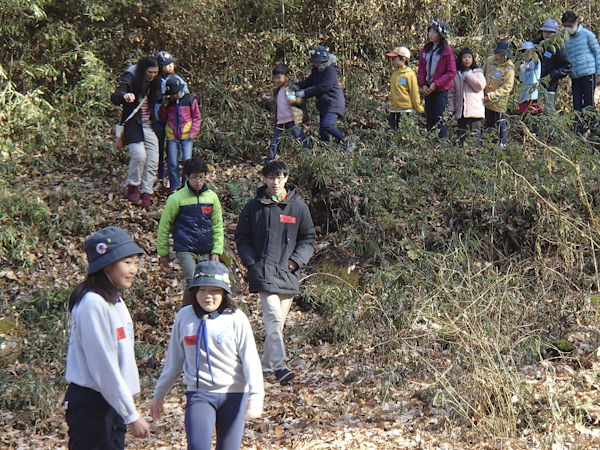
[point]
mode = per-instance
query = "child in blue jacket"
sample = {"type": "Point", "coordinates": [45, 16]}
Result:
{"type": "Point", "coordinates": [584, 51]}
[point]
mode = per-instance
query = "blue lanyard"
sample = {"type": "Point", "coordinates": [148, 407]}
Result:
{"type": "Point", "coordinates": [202, 334]}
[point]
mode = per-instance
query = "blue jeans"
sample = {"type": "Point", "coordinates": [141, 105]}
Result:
{"type": "Point", "coordinates": [279, 129]}
{"type": "Point", "coordinates": [435, 106]}
{"type": "Point", "coordinates": [583, 97]}
{"type": "Point", "coordinates": [328, 129]}
{"type": "Point", "coordinates": [173, 159]}
{"type": "Point", "coordinates": [204, 410]}
{"type": "Point", "coordinates": [497, 120]}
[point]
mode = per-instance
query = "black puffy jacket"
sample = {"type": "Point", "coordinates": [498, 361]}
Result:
{"type": "Point", "coordinates": [555, 64]}
{"type": "Point", "coordinates": [133, 128]}
{"type": "Point", "coordinates": [268, 235]}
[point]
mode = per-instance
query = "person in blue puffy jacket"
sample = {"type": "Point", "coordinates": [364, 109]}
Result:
{"type": "Point", "coordinates": [584, 51]}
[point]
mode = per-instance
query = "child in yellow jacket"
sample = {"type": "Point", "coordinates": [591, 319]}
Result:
{"type": "Point", "coordinates": [404, 89]}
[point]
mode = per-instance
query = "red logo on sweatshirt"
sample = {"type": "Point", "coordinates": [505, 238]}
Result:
{"type": "Point", "coordinates": [207, 209]}
{"type": "Point", "coordinates": [287, 219]}
{"type": "Point", "coordinates": [121, 333]}
{"type": "Point", "coordinates": [190, 340]}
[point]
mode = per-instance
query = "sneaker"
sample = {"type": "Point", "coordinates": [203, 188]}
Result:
{"type": "Point", "coordinates": [284, 376]}
{"type": "Point", "coordinates": [161, 184]}
{"type": "Point", "coordinates": [350, 144]}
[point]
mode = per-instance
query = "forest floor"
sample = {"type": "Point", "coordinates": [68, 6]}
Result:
{"type": "Point", "coordinates": [340, 398]}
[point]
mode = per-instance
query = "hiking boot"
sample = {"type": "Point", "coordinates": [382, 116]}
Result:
{"type": "Point", "coordinates": [284, 376]}
{"type": "Point", "coordinates": [146, 199]}
{"type": "Point", "coordinates": [133, 194]}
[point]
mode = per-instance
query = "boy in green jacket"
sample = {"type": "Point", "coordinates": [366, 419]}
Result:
{"type": "Point", "coordinates": [193, 216]}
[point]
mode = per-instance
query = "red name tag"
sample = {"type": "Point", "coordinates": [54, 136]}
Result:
{"type": "Point", "coordinates": [207, 209]}
{"type": "Point", "coordinates": [121, 333]}
{"type": "Point", "coordinates": [287, 219]}
{"type": "Point", "coordinates": [190, 340]}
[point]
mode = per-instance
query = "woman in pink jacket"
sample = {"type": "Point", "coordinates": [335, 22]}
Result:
{"type": "Point", "coordinates": [437, 69]}
{"type": "Point", "coordinates": [465, 99]}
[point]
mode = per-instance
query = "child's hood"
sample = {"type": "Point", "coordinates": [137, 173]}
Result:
{"type": "Point", "coordinates": [331, 61]}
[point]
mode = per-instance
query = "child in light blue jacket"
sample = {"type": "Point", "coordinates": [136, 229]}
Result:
{"type": "Point", "coordinates": [531, 70]}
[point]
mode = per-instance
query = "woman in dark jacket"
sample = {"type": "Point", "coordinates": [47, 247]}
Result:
{"type": "Point", "coordinates": [325, 86]}
{"type": "Point", "coordinates": [138, 92]}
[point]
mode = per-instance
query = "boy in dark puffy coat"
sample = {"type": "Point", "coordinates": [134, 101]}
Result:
{"type": "Point", "coordinates": [180, 112]}
{"type": "Point", "coordinates": [275, 238]}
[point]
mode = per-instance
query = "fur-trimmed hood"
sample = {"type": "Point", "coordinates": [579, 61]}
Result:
{"type": "Point", "coordinates": [331, 61]}
{"type": "Point", "coordinates": [323, 83]}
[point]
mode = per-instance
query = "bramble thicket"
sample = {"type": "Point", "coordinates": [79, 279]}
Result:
{"type": "Point", "coordinates": [452, 298]}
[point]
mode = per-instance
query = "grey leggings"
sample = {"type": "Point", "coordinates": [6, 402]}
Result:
{"type": "Point", "coordinates": [204, 410]}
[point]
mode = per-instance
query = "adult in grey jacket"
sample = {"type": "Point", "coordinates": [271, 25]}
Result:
{"type": "Point", "coordinates": [275, 238]}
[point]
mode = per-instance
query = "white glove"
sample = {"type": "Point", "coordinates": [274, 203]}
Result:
{"type": "Point", "coordinates": [300, 94]}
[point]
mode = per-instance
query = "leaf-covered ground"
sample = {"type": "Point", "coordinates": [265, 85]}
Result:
{"type": "Point", "coordinates": [342, 397]}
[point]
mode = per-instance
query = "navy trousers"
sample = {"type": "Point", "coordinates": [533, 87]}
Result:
{"type": "Point", "coordinates": [93, 423]}
{"type": "Point", "coordinates": [435, 106]}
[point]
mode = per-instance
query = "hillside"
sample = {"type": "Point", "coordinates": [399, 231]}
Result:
{"type": "Point", "coordinates": [452, 298]}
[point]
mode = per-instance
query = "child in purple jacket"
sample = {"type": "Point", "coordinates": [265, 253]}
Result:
{"type": "Point", "coordinates": [180, 112]}
{"type": "Point", "coordinates": [437, 68]}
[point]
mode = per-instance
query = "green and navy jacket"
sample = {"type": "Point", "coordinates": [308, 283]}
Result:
{"type": "Point", "coordinates": [195, 221]}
